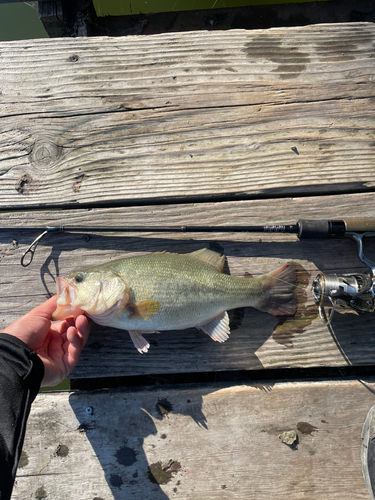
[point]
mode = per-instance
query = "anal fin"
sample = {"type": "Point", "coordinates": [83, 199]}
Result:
{"type": "Point", "coordinates": [217, 328]}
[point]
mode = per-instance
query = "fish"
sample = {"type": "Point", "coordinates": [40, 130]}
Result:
{"type": "Point", "coordinates": [170, 291]}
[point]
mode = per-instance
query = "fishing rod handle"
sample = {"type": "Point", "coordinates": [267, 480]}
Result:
{"type": "Point", "coordinates": [323, 229]}
{"type": "Point", "coordinates": [360, 225]}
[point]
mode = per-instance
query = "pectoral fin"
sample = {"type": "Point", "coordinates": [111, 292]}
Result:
{"type": "Point", "coordinates": [140, 343]}
{"type": "Point", "coordinates": [217, 328]}
{"type": "Point", "coordinates": [144, 309]}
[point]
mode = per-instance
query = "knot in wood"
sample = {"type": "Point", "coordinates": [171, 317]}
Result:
{"type": "Point", "coordinates": [44, 154]}
{"type": "Point", "coordinates": [24, 184]}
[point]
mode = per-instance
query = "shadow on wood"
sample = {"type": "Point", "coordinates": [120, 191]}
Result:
{"type": "Point", "coordinates": [131, 437]}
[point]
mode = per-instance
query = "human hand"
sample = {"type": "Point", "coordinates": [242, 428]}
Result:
{"type": "Point", "coordinates": [59, 345]}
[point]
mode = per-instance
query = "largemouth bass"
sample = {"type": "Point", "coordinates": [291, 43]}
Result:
{"type": "Point", "coordinates": [167, 291]}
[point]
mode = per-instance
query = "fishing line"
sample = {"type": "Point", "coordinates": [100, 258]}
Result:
{"type": "Point", "coordinates": [295, 284]}
{"type": "Point", "coordinates": [328, 324]}
{"type": "Point", "coordinates": [288, 283]}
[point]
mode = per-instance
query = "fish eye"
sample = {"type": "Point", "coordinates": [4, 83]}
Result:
{"type": "Point", "coordinates": [79, 277]}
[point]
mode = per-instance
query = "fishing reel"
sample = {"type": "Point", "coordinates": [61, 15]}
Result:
{"type": "Point", "coordinates": [345, 293]}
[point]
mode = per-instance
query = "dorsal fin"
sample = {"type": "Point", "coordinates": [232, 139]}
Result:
{"type": "Point", "coordinates": [210, 257]}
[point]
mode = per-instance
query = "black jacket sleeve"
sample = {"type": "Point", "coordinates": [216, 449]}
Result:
{"type": "Point", "coordinates": [21, 373]}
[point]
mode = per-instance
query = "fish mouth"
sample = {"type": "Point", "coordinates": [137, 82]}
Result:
{"type": "Point", "coordinates": [66, 295]}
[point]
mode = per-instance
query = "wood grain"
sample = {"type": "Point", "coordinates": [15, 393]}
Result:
{"type": "Point", "coordinates": [215, 442]}
{"type": "Point", "coordinates": [187, 116]}
{"type": "Point", "coordinates": [257, 343]}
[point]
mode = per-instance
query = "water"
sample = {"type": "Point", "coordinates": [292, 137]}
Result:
{"type": "Point", "coordinates": [125, 8]}
{"type": "Point", "coordinates": [20, 21]}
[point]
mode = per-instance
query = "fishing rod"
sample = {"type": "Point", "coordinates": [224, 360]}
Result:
{"type": "Point", "coordinates": [342, 293]}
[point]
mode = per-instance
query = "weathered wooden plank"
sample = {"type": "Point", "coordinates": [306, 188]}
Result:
{"type": "Point", "coordinates": [110, 352]}
{"type": "Point", "coordinates": [187, 115]}
{"type": "Point", "coordinates": [219, 441]}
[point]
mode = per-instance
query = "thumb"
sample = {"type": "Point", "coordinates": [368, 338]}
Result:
{"type": "Point", "coordinates": [46, 309]}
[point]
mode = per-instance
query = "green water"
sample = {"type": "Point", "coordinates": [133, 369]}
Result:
{"type": "Point", "coordinates": [128, 7]}
{"type": "Point", "coordinates": [20, 21]}
{"type": "Point", "coordinates": [64, 386]}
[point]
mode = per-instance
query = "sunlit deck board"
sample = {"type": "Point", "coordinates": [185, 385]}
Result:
{"type": "Point", "coordinates": [223, 442]}
{"type": "Point", "coordinates": [187, 115]}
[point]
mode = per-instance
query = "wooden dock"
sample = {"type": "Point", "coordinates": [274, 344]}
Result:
{"type": "Point", "coordinates": [221, 128]}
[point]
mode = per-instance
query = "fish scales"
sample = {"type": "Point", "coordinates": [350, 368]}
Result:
{"type": "Point", "coordinates": [166, 291]}
{"type": "Point", "coordinates": [188, 293]}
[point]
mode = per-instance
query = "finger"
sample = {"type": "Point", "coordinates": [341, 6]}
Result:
{"type": "Point", "coordinates": [76, 338]}
{"type": "Point", "coordinates": [70, 321]}
{"type": "Point", "coordinates": [46, 309]}
{"type": "Point", "coordinates": [54, 347]}
{"type": "Point", "coordinates": [33, 327]}
{"type": "Point", "coordinates": [73, 347]}
{"type": "Point", "coordinates": [83, 325]}
{"type": "Point", "coordinates": [60, 327]}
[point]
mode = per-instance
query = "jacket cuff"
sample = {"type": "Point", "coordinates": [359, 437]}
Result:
{"type": "Point", "coordinates": [25, 362]}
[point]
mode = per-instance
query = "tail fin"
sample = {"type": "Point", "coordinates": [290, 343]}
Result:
{"type": "Point", "coordinates": [278, 287]}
